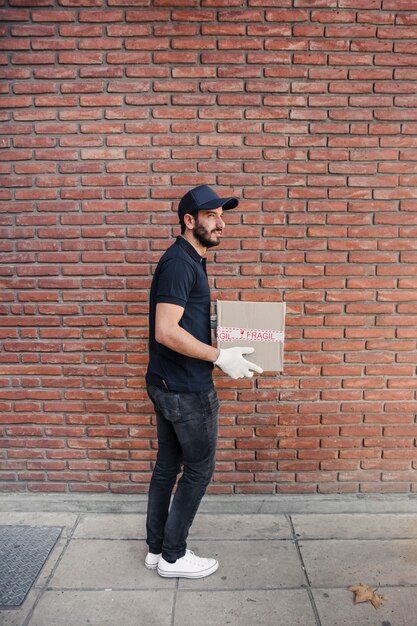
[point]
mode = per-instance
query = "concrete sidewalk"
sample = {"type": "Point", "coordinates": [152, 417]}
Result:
{"type": "Point", "coordinates": [284, 561]}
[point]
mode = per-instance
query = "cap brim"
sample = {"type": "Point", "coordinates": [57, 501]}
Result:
{"type": "Point", "coordinates": [225, 203]}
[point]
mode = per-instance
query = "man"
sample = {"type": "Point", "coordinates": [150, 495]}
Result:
{"type": "Point", "coordinates": [180, 384]}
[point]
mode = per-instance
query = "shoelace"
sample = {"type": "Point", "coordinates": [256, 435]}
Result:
{"type": "Point", "coordinates": [191, 554]}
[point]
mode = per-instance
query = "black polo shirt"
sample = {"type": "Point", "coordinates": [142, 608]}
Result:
{"type": "Point", "coordinates": [181, 278]}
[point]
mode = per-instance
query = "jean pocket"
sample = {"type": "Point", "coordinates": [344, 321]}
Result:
{"type": "Point", "coordinates": [167, 402]}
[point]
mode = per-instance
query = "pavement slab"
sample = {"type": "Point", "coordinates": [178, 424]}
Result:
{"type": "Point", "coordinates": [111, 526]}
{"type": "Point", "coordinates": [341, 563]}
{"type": "Point", "coordinates": [104, 608]}
{"type": "Point", "coordinates": [274, 607]}
{"type": "Point", "coordinates": [356, 526]}
{"type": "Point", "coordinates": [106, 564]}
{"type": "Point", "coordinates": [249, 565]}
{"type": "Point", "coordinates": [205, 526]}
{"type": "Point", "coordinates": [241, 527]}
{"type": "Point", "coordinates": [336, 608]}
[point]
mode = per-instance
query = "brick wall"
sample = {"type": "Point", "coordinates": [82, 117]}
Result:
{"type": "Point", "coordinates": [306, 109]}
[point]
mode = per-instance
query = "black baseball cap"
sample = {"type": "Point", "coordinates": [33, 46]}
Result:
{"type": "Point", "coordinates": [204, 197]}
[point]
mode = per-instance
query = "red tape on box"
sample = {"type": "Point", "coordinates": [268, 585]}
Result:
{"type": "Point", "coordinates": [228, 333]}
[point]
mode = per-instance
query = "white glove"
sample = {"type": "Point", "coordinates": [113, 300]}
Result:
{"type": "Point", "coordinates": [231, 361]}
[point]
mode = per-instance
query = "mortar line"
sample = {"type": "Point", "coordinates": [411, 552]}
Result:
{"type": "Point", "coordinates": [174, 601]}
{"type": "Point", "coordinates": [223, 589]}
{"type": "Point", "coordinates": [303, 567]}
{"type": "Point", "coordinates": [255, 539]}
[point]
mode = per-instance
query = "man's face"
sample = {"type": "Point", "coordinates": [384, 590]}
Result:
{"type": "Point", "coordinates": [208, 227]}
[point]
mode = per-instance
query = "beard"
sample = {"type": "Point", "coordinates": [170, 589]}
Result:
{"type": "Point", "coordinates": [203, 236]}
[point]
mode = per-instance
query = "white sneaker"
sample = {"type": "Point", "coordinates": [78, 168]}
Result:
{"type": "Point", "coordinates": [152, 560]}
{"type": "Point", "coordinates": [189, 566]}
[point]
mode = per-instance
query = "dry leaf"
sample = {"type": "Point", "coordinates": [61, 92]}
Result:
{"type": "Point", "coordinates": [365, 593]}
{"type": "Point", "coordinates": [377, 600]}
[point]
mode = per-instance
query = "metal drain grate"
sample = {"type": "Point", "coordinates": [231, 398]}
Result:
{"type": "Point", "coordinates": [23, 552]}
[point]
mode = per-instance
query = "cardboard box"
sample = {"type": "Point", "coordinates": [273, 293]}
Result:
{"type": "Point", "coordinates": [258, 325]}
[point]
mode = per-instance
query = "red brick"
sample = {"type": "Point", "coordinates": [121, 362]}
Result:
{"type": "Point", "coordinates": [196, 15]}
{"type": "Point", "coordinates": [100, 16]}
{"type": "Point", "coordinates": [14, 15]}
{"type": "Point", "coordinates": [143, 15]}
{"type": "Point", "coordinates": [251, 488]}
{"type": "Point", "coordinates": [53, 16]}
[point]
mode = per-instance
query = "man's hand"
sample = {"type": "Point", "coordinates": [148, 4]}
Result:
{"type": "Point", "coordinates": [231, 361]}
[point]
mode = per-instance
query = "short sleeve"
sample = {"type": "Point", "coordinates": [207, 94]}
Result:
{"type": "Point", "coordinates": [175, 282]}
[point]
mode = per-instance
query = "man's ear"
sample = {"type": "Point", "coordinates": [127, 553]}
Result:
{"type": "Point", "coordinates": [190, 220]}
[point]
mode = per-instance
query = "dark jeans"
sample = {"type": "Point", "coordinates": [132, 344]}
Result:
{"type": "Point", "coordinates": [187, 436]}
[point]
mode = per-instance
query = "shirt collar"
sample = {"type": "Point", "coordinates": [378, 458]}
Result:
{"type": "Point", "coordinates": [186, 245]}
